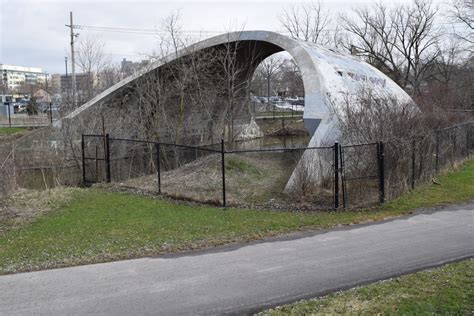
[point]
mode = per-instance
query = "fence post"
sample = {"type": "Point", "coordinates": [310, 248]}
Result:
{"type": "Point", "coordinates": [437, 152]}
{"type": "Point", "coordinates": [107, 158]}
{"type": "Point", "coordinates": [336, 175]}
{"type": "Point", "coordinates": [223, 172]}
{"type": "Point", "coordinates": [454, 147]}
{"type": "Point", "coordinates": [413, 145]}
{"type": "Point", "coordinates": [158, 166]}
{"type": "Point", "coordinates": [343, 179]}
{"type": "Point", "coordinates": [381, 170]}
{"type": "Point", "coordinates": [96, 164]}
{"type": "Point", "coordinates": [83, 161]}
{"type": "Point", "coordinates": [467, 139]}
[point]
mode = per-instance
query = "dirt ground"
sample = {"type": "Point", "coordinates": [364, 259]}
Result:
{"type": "Point", "coordinates": [248, 177]}
{"type": "Point", "coordinates": [252, 179]}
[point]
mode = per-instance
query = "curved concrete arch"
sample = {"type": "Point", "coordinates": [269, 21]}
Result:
{"type": "Point", "coordinates": [328, 77]}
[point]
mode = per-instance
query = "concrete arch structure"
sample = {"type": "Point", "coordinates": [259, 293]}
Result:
{"type": "Point", "coordinates": [328, 77]}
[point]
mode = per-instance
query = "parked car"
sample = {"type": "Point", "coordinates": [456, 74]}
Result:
{"type": "Point", "coordinates": [298, 102]}
{"type": "Point", "coordinates": [254, 98]}
{"type": "Point", "coordinates": [22, 108]}
{"type": "Point", "coordinates": [274, 99]}
{"type": "Point", "coordinates": [291, 99]}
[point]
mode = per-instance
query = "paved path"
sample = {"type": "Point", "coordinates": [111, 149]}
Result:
{"type": "Point", "coordinates": [242, 280]}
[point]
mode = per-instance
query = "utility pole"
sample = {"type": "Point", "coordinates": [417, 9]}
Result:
{"type": "Point", "coordinates": [66, 86]}
{"type": "Point", "coordinates": [49, 96]}
{"type": "Point", "coordinates": [50, 103]}
{"type": "Point", "coordinates": [46, 77]}
{"type": "Point", "coordinates": [9, 115]}
{"type": "Point", "coordinates": [73, 35]}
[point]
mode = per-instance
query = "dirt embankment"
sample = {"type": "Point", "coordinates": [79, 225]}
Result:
{"type": "Point", "coordinates": [253, 180]}
{"type": "Point", "coordinates": [252, 177]}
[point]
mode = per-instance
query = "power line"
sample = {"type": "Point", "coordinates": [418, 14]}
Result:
{"type": "Point", "coordinates": [202, 32]}
{"type": "Point", "coordinates": [138, 31]}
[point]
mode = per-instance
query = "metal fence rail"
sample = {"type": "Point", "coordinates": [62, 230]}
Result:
{"type": "Point", "coordinates": [323, 177]}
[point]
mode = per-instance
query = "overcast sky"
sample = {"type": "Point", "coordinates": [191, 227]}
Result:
{"type": "Point", "coordinates": [33, 32]}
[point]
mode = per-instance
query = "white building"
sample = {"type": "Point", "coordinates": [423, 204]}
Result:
{"type": "Point", "coordinates": [15, 76]}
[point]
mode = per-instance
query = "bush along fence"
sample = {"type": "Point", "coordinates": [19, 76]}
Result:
{"type": "Point", "coordinates": [336, 176]}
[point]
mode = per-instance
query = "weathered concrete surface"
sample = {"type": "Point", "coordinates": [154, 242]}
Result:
{"type": "Point", "coordinates": [241, 280]}
{"type": "Point", "coordinates": [328, 77]}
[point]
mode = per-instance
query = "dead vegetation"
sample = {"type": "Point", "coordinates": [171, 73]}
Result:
{"type": "Point", "coordinates": [279, 127]}
{"type": "Point", "coordinates": [24, 205]}
{"type": "Point", "coordinates": [201, 180]}
{"type": "Point", "coordinates": [252, 179]}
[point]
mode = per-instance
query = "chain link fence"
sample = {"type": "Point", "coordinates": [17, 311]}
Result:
{"type": "Point", "coordinates": [360, 174]}
{"type": "Point", "coordinates": [179, 171]}
{"type": "Point", "coordinates": [7, 171]}
{"type": "Point", "coordinates": [414, 161]}
{"type": "Point", "coordinates": [37, 160]}
{"type": "Point", "coordinates": [286, 178]}
{"type": "Point", "coordinates": [281, 178]}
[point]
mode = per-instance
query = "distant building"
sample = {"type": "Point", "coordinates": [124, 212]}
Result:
{"type": "Point", "coordinates": [15, 77]}
{"type": "Point", "coordinates": [42, 96]}
{"type": "Point", "coordinates": [128, 67]}
{"type": "Point", "coordinates": [55, 83]}
{"type": "Point", "coordinates": [87, 86]}
{"type": "Point", "coordinates": [83, 81]}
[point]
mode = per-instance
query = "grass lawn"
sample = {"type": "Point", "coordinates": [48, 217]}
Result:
{"type": "Point", "coordinates": [94, 225]}
{"type": "Point", "coordinates": [447, 290]}
{"type": "Point", "coordinates": [454, 187]}
{"type": "Point", "coordinates": [7, 131]}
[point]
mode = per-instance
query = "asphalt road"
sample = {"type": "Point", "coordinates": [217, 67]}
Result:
{"type": "Point", "coordinates": [245, 279]}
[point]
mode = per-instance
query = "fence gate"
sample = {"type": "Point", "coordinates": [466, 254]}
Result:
{"type": "Point", "coordinates": [95, 159]}
{"type": "Point", "coordinates": [362, 174]}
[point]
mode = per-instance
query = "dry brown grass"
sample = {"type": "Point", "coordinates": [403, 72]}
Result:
{"type": "Point", "coordinates": [24, 205]}
{"type": "Point", "coordinates": [270, 126]}
{"type": "Point", "coordinates": [250, 178]}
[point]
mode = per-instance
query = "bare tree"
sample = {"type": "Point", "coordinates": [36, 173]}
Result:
{"type": "Point", "coordinates": [289, 75]}
{"type": "Point", "coordinates": [194, 94]}
{"type": "Point", "coordinates": [308, 22]}
{"type": "Point", "coordinates": [234, 87]}
{"type": "Point", "coordinates": [402, 41]}
{"type": "Point", "coordinates": [417, 38]}
{"type": "Point", "coordinates": [462, 12]}
{"type": "Point", "coordinates": [90, 58]}
{"type": "Point", "coordinates": [269, 69]}
{"type": "Point", "coordinates": [370, 115]}
{"type": "Point", "coordinates": [159, 90]}
{"type": "Point", "coordinates": [445, 67]}
{"type": "Point", "coordinates": [451, 80]}
{"type": "Point", "coordinates": [108, 76]}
